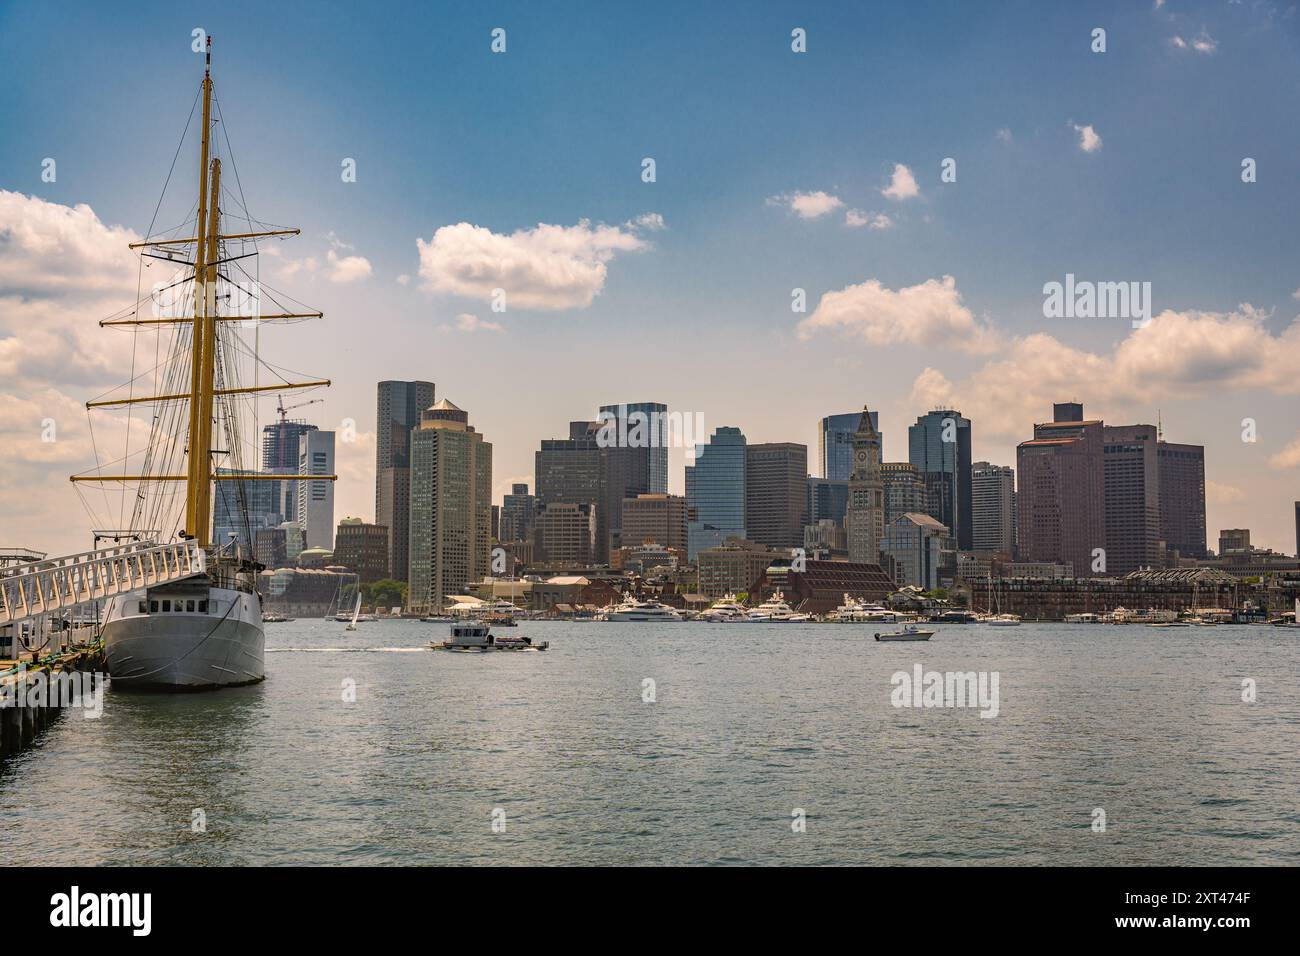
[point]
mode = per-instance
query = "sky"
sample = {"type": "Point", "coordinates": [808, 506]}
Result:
{"type": "Point", "coordinates": [774, 171]}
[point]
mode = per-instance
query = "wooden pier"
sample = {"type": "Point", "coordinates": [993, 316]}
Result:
{"type": "Point", "coordinates": [25, 710]}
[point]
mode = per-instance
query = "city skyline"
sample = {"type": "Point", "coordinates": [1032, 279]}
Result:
{"type": "Point", "coordinates": [938, 303]}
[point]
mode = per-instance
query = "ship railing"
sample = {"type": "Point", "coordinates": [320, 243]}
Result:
{"type": "Point", "coordinates": [63, 584]}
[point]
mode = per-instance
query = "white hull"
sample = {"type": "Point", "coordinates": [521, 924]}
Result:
{"type": "Point", "coordinates": [186, 651]}
{"type": "Point", "coordinates": [636, 616]}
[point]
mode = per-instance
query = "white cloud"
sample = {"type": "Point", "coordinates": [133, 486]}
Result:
{"type": "Point", "coordinates": [1004, 135]}
{"type": "Point", "coordinates": [1177, 355]}
{"type": "Point", "coordinates": [403, 279]}
{"type": "Point", "coordinates": [547, 267]}
{"type": "Point", "coordinates": [345, 269]}
{"type": "Point", "coordinates": [1217, 493]}
{"type": "Point", "coordinates": [902, 184]}
{"type": "Point", "coordinates": [929, 314]}
{"type": "Point", "coordinates": [1089, 139]}
{"type": "Point", "coordinates": [1288, 457]}
{"type": "Point", "coordinates": [807, 205]}
{"type": "Point", "coordinates": [856, 219]}
{"type": "Point", "coordinates": [1202, 43]}
{"type": "Point", "coordinates": [468, 322]}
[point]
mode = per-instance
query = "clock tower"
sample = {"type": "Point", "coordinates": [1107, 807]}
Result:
{"type": "Point", "coordinates": [864, 521]}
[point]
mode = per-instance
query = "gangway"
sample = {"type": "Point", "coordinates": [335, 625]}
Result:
{"type": "Point", "coordinates": [38, 589]}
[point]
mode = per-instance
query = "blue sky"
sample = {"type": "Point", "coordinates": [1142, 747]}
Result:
{"type": "Point", "coordinates": [698, 315]}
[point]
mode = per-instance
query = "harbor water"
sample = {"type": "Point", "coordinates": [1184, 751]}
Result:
{"type": "Point", "coordinates": [687, 744]}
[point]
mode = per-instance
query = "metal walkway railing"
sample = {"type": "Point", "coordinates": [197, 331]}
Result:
{"type": "Point", "coordinates": [62, 584]}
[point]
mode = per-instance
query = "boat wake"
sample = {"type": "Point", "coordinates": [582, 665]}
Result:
{"type": "Point", "coordinates": [344, 650]}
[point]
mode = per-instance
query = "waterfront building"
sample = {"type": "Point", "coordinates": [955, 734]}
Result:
{"type": "Point", "coordinates": [661, 518]}
{"type": "Point", "coordinates": [732, 567]}
{"type": "Point", "coordinates": [399, 405]}
{"type": "Point", "coordinates": [904, 489]}
{"type": "Point", "coordinates": [294, 540]}
{"type": "Point", "coordinates": [776, 493]}
{"type": "Point", "coordinates": [565, 533]}
{"type": "Point", "coordinates": [518, 513]}
{"type": "Point", "coordinates": [715, 491]}
{"type": "Point", "coordinates": [363, 548]}
{"type": "Point", "coordinates": [1182, 498]}
{"type": "Point", "coordinates": [939, 445]}
{"type": "Point", "coordinates": [315, 513]}
{"type": "Point", "coordinates": [820, 587]}
{"type": "Point", "coordinates": [270, 548]}
{"type": "Point", "coordinates": [864, 520]}
{"type": "Point", "coordinates": [650, 420]}
{"type": "Point", "coordinates": [1051, 599]}
{"type": "Point", "coordinates": [915, 545]}
{"type": "Point", "coordinates": [993, 507]}
{"type": "Point", "coordinates": [1234, 539]}
{"type": "Point", "coordinates": [307, 592]}
{"type": "Point", "coordinates": [451, 507]}
{"type": "Point", "coordinates": [828, 500]}
{"type": "Point", "coordinates": [1061, 499]}
{"type": "Point", "coordinates": [835, 435]}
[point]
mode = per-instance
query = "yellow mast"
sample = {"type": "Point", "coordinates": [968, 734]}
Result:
{"type": "Point", "coordinates": [199, 464]}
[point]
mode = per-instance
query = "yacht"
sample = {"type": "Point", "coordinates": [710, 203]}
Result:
{"type": "Point", "coordinates": [855, 610]}
{"type": "Point", "coordinates": [478, 638]}
{"type": "Point", "coordinates": [775, 611]}
{"type": "Point", "coordinates": [1085, 618]}
{"type": "Point", "coordinates": [635, 610]}
{"type": "Point", "coordinates": [956, 616]}
{"type": "Point", "coordinates": [725, 611]}
{"type": "Point", "coordinates": [1291, 618]}
{"type": "Point", "coordinates": [1003, 620]}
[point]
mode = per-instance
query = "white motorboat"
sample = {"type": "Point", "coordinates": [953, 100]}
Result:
{"type": "Point", "coordinates": [1085, 618]}
{"type": "Point", "coordinates": [635, 610]}
{"type": "Point", "coordinates": [909, 633]}
{"type": "Point", "coordinates": [858, 611]}
{"type": "Point", "coordinates": [775, 611]}
{"type": "Point", "coordinates": [476, 638]}
{"type": "Point", "coordinates": [726, 610]}
{"type": "Point", "coordinates": [1003, 620]}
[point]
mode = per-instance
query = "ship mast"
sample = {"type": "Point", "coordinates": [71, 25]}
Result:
{"type": "Point", "coordinates": [199, 472]}
{"type": "Point", "coordinates": [198, 490]}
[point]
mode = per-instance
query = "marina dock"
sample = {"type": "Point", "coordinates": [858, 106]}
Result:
{"type": "Point", "coordinates": [32, 692]}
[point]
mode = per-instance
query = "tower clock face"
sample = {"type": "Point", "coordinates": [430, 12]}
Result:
{"type": "Point", "coordinates": [862, 456]}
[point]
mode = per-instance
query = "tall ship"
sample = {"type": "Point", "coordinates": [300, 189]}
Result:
{"type": "Point", "coordinates": [196, 335]}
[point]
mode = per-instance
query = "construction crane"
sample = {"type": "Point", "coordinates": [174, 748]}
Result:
{"type": "Point", "coordinates": [284, 412]}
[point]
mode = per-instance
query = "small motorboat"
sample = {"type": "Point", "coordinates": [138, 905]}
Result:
{"type": "Point", "coordinates": [478, 638]}
{"type": "Point", "coordinates": [274, 618]}
{"type": "Point", "coordinates": [909, 633]}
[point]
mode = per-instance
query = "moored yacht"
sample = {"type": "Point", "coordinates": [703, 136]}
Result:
{"type": "Point", "coordinates": [633, 609]}
{"type": "Point", "coordinates": [726, 610]}
{"type": "Point", "coordinates": [775, 611]}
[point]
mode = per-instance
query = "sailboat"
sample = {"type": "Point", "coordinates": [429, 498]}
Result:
{"type": "Point", "coordinates": [205, 630]}
{"type": "Point", "coordinates": [1295, 617]}
{"type": "Point", "coordinates": [356, 613]}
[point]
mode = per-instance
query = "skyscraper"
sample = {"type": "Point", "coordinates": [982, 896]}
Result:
{"type": "Point", "coordinates": [571, 471]}
{"type": "Point", "coordinates": [835, 444]}
{"type": "Point", "coordinates": [451, 506]}
{"type": "Point", "coordinates": [1132, 498]}
{"type": "Point", "coordinates": [658, 518]}
{"type": "Point", "coordinates": [904, 489]}
{"type": "Point", "coordinates": [518, 512]}
{"type": "Point", "coordinates": [993, 507]}
{"type": "Point", "coordinates": [243, 508]}
{"type": "Point", "coordinates": [315, 512]}
{"type": "Point", "coordinates": [715, 491]}
{"type": "Point", "coordinates": [1297, 529]}
{"type": "Point", "coordinates": [864, 521]}
{"type": "Point", "coordinates": [1182, 498]}
{"type": "Point", "coordinates": [280, 457]}
{"type": "Point", "coordinates": [398, 412]}
{"type": "Point", "coordinates": [939, 445]}
{"type": "Point", "coordinates": [776, 493]}
{"type": "Point", "coordinates": [828, 500]}
{"type": "Point", "coordinates": [1061, 500]}
{"type": "Point", "coordinates": [651, 418]}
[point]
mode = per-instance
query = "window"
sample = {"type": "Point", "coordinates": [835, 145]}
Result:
{"type": "Point", "coordinates": [203, 607]}
{"type": "Point", "coordinates": [189, 606]}
{"type": "Point", "coordinates": [153, 607]}
{"type": "Point", "coordinates": [167, 606]}
{"type": "Point", "coordinates": [144, 607]}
